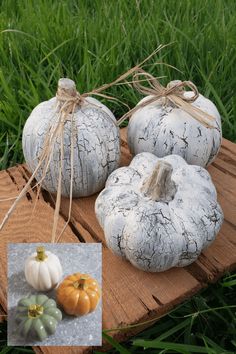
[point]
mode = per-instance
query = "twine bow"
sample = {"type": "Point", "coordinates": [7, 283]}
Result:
{"type": "Point", "coordinates": [70, 98]}
{"type": "Point", "coordinates": [173, 93]}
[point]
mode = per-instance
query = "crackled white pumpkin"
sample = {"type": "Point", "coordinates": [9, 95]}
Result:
{"type": "Point", "coordinates": [159, 213]}
{"type": "Point", "coordinates": [163, 129]}
{"type": "Point", "coordinates": [96, 146]}
{"type": "Point", "coordinates": [43, 270]}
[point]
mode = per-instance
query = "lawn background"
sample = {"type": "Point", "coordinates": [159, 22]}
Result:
{"type": "Point", "coordinates": [93, 42]}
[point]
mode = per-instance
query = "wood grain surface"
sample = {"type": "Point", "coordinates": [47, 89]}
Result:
{"type": "Point", "coordinates": [130, 296]}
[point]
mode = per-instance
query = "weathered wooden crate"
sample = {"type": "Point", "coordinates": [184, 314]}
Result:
{"type": "Point", "coordinates": [130, 296]}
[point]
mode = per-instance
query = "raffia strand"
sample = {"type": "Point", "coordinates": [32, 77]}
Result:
{"type": "Point", "coordinates": [67, 101]}
{"type": "Point", "coordinates": [173, 94]}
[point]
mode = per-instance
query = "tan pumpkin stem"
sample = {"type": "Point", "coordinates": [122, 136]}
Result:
{"type": "Point", "coordinates": [35, 311]}
{"type": "Point", "coordinates": [66, 86]}
{"type": "Point", "coordinates": [67, 95]}
{"type": "Point", "coordinates": [41, 255]}
{"type": "Point", "coordinates": [68, 99]}
{"type": "Point", "coordinates": [159, 186]}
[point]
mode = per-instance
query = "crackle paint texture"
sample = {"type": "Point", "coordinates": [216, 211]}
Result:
{"type": "Point", "coordinates": [96, 146]}
{"type": "Point", "coordinates": [164, 130]}
{"type": "Point", "coordinates": [77, 331]}
{"type": "Point", "coordinates": [157, 235]}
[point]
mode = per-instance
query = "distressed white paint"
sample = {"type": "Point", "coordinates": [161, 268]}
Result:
{"type": "Point", "coordinates": [96, 146]}
{"type": "Point", "coordinates": [43, 275]}
{"type": "Point", "coordinates": [164, 130]}
{"type": "Point", "coordinates": [157, 235]}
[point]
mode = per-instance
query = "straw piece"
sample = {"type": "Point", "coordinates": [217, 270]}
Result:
{"type": "Point", "coordinates": [173, 92]}
{"type": "Point", "coordinates": [68, 99]}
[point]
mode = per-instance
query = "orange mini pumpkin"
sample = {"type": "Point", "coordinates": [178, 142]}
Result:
{"type": "Point", "coordinates": [78, 294]}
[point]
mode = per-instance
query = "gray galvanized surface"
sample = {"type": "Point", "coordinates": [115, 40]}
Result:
{"type": "Point", "coordinates": [84, 258]}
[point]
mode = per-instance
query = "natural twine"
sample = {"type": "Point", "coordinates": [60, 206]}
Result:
{"type": "Point", "coordinates": [173, 93]}
{"type": "Point", "coordinates": [66, 106]}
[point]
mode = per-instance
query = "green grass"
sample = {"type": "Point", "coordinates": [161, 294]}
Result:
{"type": "Point", "coordinates": [93, 42]}
{"type": "Point", "coordinates": [204, 324]}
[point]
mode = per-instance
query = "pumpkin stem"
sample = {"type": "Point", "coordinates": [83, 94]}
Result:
{"type": "Point", "coordinates": [66, 87]}
{"type": "Point", "coordinates": [159, 186]}
{"type": "Point", "coordinates": [175, 83]}
{"type": "Point", "coordinates": [41, 255]}
{"type": "Point", "coordinates": [81, 283]}
{"type": "Point", "coordinates": [35, 310]}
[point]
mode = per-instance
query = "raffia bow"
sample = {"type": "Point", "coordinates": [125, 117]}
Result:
{"type": "Point", "coordinates": [66, 107]}
{"type": "Point", "coordinates": [173, 94]}
{"type": "Point", "coordinates": [70, 98]}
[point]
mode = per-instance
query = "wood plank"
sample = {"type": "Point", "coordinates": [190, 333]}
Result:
{"type": "Point", "coordinates": [130, 296]}
{"type": "Point", "coordinates": [120, 278]}
{"type": "Point", "coordinates": [25, 227]}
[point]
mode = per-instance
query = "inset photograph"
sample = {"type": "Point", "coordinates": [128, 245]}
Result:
{"type": "Point", "coordinates": [54, 294]}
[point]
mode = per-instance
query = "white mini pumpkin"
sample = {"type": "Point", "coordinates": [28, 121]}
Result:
{"type": "Point", "coordinates": [96, 144]}
{"type": "Point", "coordinates": [159, 213]}
{"type": "Point", "coordinates": [163, 129]}
{"type": "Point", "coordinates": [43, 270]}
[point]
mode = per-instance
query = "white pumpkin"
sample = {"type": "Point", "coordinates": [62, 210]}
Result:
{"type": "Point", "coordinates": [43, 270]}
{"type": "Point", "coordinates": [163, 129]}
{"type": "Point", "coordinates": [96, 144]}
{"type": "Point", "coordinates": [159, 213]}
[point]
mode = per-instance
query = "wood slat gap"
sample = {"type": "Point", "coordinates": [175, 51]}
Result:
{"type": "Point", "coordinates": [130, 296]}
{"type": "Point", "coordinates": [223, 169]}
{"type": "Point", "coordinates": [71, 224]}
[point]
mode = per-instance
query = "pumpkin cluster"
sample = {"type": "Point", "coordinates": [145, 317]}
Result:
{"type": "Point", "coordinates": [37, 315]}
{"type": "Point", "coordinates": [162, 210]}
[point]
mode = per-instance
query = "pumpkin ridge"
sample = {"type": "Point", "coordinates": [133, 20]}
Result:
{"type": "Point", "coordinates": [38, 301]}
{"type": "Point", "coordinates": [66, 282]}
{"type": "Point", "coordinates": [44, 276]}
{"type": "Point", "coordinates": [72, 277]}
{"type": "Point", "coordinates": [40, 334]}
{"type": "Point", "coordinates": [91, 300]}
{"type": "Point", "coordinates": [82, 294]}
{"type": "Point", "coordinates": [33, 278]}
{"type": "Point", "coordinates": [67, 302]}
{"type": "Point", "coordinates": [77, 291]}
{"type": "Point", "coordinates": [91, 288]}
{"type": "Point", "coordinates": [44, 319]}
{"type": "Point", "coordinates": [62, 292]}
{"type": "Point", "coordinates": [54, 272]}
{"type": "Point", "coordinates": [49, 303]}
{"type": "Point", "coordinates": [29, 324]}
{"type": "Point", "coordinates": [152, 234]}
{"type": "Point", "coordinates": [37, 276]}
{"type": "Point", "coordinates": [22, 324]}
{"type": "Point", "coordinates": [53, 312]}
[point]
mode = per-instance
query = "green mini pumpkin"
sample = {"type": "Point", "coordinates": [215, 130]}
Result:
{"type": "Point", "coordinates": [37, 317]}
